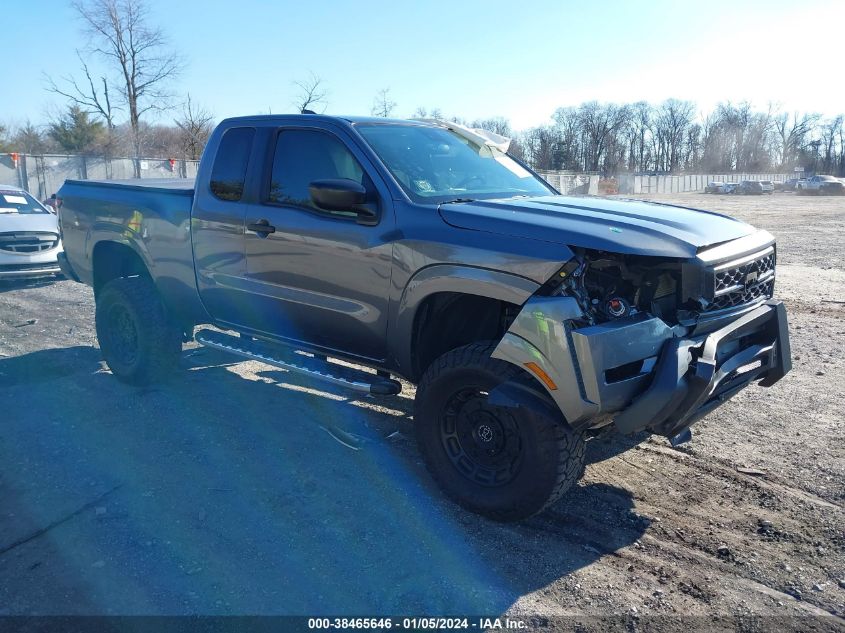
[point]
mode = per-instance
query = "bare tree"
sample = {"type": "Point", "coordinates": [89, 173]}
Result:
{"type": "Point", "coordinates": [542, 147]}
{"type": "Point", "coordinates": [841, 168]}
{"type": "Point", "coordinates": [5, 145]}
{"type": "Point", "coordinates": [600, 124]}
{"type": "Point", "coordinates": [423, 113]}
{"type": "Point", "coordinates": [692, 151]}
{"type": "Point", "coordinates": [88, 96]}
{"type": "Point", "coordinates": [569, 132]}
{"type": "Point", "coordinates": [382, 104]}
{"type": "Point", "coordinates": [638, 131]}
{"type": "Point", "coordinates": [671, 121]}
{"type": "Point", "coordinates": [310, 94]}
{"type": "Point", "coordinates": [196, 125]}
{"type": "Point", "coordinates": [792, 135]}
{"type": "Point", "coordinates": [830, 130]}
{"type": "Point", "coordinates": [498, 125]}
{"type": "Point", "coordinates": [138, 52]}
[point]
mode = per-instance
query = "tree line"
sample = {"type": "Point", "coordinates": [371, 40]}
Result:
{"type": "Point", "coordinates": [672, 137]}
{"type": "Point", "coordinates": [107, 114]}
{"type": "Point", "coordinates": [592, 137]}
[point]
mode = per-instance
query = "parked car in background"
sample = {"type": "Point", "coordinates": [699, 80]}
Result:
{"type": "Point", "coordinates": [29, 236]}
{"type": "Point", "coordinates": [749, 188]}
{"type": "Point", "coordinates": [731, 187]}
{"type": "Point", "coordinates": [777, 185]}
{"type": "Point", "coordinates": [715, 187]}
{"type": "Point", "coordinates": [767, 185]}
{"type": "Point", "coordinates": [822, 186]}
{"type": "Point", "coordinates": [789, 184]}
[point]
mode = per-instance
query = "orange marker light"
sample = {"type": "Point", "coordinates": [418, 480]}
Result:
{"type": "Point", "coordinates": [535, 369]}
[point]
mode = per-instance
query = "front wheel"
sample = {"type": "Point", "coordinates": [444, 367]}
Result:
{"type": "Point", "coordinates": [504, 463]}
{"type": "Point", "coordinates": [139, 342]}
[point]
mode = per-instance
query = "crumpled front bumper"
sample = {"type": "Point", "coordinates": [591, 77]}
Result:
{"type": "Point", "coordinates": [693, 377]}
{"type": "Point", "coordinates": [638, 371]}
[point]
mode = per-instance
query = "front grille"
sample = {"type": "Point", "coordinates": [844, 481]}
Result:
{"type": "Point", "coordinates": [763, 290]}
{"type": "Point", "coordinates": [28, 242]}
{"type": "Point", "coordinates": [743, 281]}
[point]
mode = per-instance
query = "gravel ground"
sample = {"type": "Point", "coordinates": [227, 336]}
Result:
{"type": "Point", "coordinates": [225, 491]}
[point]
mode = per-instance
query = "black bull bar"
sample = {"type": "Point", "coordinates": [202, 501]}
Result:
{"type": "Point", "coordinates": [694, 376]}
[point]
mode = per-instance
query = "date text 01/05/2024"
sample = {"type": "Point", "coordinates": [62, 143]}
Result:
{"type": "Point", "coordinates": [481, 623]}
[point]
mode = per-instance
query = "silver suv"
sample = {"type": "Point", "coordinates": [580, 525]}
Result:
{"type": "Point", "coordinates": [29, 236]}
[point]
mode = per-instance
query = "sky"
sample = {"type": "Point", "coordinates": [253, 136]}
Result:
{"type": "Point", "coordinates": [520, 60]}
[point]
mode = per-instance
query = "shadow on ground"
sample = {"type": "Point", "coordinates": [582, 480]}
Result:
{"type": "Point", "coordinates": [227, 493]}
{"type": "Point", "coordinates": [8, 285]}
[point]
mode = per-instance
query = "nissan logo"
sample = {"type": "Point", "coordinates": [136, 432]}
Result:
{"type": "Point", "coordinates": [751, 278]}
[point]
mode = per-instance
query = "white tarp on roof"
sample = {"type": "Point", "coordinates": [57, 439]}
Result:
{"type": "Point", "coordinates": [476, 135]}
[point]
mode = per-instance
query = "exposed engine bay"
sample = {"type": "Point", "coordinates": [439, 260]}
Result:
{"type": "Point", "coordinates": [610, 286]}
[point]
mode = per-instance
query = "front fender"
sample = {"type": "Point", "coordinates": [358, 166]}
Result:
{"type": "Point", "coordinates": [540, 336]}
{"type": "Point", "coordinates": [572, 364]}
{"type": "Point", "coordinates": [468, 280]}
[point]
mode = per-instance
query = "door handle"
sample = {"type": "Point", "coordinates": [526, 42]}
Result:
{"type": "Point", "coordinates": [262, 227]}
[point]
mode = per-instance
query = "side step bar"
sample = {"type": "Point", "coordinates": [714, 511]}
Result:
{"type": "Point", "coordinates": [326, 371]}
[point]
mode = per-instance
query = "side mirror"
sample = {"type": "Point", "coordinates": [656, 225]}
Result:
{"type": "Point", "coordinates": [343, 194]}
{"type": "Point", "coordinates": [337, 194]}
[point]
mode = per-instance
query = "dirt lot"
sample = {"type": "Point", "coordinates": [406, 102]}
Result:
{"type": "Point", "coordinates": [225, 492]}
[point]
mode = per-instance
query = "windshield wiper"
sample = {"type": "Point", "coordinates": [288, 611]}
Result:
{"type": "Point", "coordinates": [459, 200]}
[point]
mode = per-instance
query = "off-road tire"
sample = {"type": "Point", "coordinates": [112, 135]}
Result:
{"type": "Point", "coordinates": [551, 453]}
{"type": "Point", "coordinates": [139, 343]}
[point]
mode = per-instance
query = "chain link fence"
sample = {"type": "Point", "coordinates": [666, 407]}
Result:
{"type": "Point", "coordinates": [568, 182]}
{"type": "Point", "coordinates": [43, 174]}
{"type": "Point", "coordinates": [630, 184]}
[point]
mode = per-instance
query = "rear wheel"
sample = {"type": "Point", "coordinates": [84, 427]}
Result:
{"type": "Point", "coordinates": [139, 342]}
{"type": "Point", "coordinates": [504, 463]}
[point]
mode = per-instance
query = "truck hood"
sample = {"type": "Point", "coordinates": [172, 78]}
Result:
{"type": "Point", "coordinates": [13, 222]}
{"type": "Point", "coordinates": [619, 226]}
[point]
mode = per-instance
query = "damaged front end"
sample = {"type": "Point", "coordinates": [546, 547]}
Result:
{"type": "Point", "coordinates": [653, 343]}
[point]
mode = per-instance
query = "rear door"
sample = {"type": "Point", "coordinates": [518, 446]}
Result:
{"type": "Point", "coordinates": [220, 207]}
{"type": "Point", "coordinates": [319, 277]}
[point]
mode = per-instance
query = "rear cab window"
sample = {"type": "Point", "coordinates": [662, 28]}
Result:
{"type": "Point", "coordinates": [228, 173]}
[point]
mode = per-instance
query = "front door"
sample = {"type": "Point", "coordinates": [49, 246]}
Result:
{"type": "Point", "coordinates": [318, 277]}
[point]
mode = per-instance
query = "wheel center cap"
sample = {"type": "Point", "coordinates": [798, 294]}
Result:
{"type": "Point", "coordinates": [485, 433]}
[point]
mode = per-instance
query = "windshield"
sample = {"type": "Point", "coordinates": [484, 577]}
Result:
{"type": "Point", "coordinates": [19, 202]}
{"type": "Point", "coordinates": [436, 165]}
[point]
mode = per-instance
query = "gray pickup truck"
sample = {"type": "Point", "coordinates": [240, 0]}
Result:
{"type": "Point", "coordinates": [529, 321]}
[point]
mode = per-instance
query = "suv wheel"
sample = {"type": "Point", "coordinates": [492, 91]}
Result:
{"type": "Point", "coordinates": [504, 463]}
{"type": "Point", "coordinates": [138, 341]}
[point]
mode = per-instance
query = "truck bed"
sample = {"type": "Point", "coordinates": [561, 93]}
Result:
{"type": "Point", "coordinates": [151, 217]}
{"type": "Point", "coordinates": [184, 186]}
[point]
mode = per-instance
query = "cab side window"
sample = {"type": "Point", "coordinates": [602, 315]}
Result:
{"type": "Point", "coordinates": [229, 170]}
{"type": "Point", "coordinates": [303, 156]}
